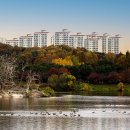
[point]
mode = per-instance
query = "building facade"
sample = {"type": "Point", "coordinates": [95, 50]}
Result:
{"type": "Point", "coordinates": [76, 40]}
{"type": "Point", "coordinates": [26, 41]}
{"type": "Point", "coordinates": [37, 39]}
{"type": "Point", "coordinates": [113, 44]}
{"type": "Point", "coordinates": [105, 43]}
{"type": "Point", "coordinates": [41, 39]}
{"type": "Point", "coordinates": [93, 42]}
{"type": "Point", "coordinates": [61, 38]}
{"type": "Point", "coordinates": [13, 42]}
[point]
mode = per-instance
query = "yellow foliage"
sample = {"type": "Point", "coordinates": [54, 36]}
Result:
{"type": "Point", "coordinates": [66, 61]}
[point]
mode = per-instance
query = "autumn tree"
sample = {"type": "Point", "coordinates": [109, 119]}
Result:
{"type": "Point", "coordinates": [114, 77]}
{"type": "Point", "coordinates": [66, 61]}
{"type": "Point", "coordinates": [66, 82]}
{"type": "Point", "coordinates": [93, 77]}
{"type": "Point", "coordinates": [53, 81]}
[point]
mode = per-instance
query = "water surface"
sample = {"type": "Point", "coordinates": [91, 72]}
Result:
{"type": "Point", "coordinates": [66, 112]}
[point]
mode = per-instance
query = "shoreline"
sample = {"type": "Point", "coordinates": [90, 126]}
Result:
{"type": "Point", "coordinates": [21, 94]}
{"type": "Point", "coordinates": [102, 90]}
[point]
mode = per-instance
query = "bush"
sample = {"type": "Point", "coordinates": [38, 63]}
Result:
{"type": "Point", "coordinates": [66, 82]}
{"type": "Point", "coordinates": [82, 87]}
{"type": "Point", "coordinates": [120, 86]}
{"type": "Point", "coordinates": [53, 80]}
{"type": "Point", "coordinates": [47, 91]}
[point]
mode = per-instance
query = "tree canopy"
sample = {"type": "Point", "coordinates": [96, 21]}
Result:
{"type": "Point", "coordinates": [84, 65]}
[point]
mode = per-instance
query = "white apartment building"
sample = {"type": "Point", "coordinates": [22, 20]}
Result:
{"type": "Point", "coordinates": [61, 38]}
{"type": "Point", "coordinates": [91, 42]}
{"type": "Point", "coordinates": [13, 42]}
{"type": "Point", "coordinates": [26, 41]}
{"type": "Point", "coordinates": [113, 44]}
{"type": "Point", "coordinates": [104, 39]}
{"type": "Point", "coordinates": [38, 39]}
{"type": "Point", "coordinates": [66, 38]}
{"type": "Point", "coordinates": [76, 40]}
{"type": "Point", "coordinates": [41, 39]}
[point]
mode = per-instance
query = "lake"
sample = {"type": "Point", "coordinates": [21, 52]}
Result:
{"type": "Point", "coordinates": [65, 112]}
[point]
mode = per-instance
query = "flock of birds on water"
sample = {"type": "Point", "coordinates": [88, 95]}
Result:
{"type": "Point", "coordinates": [73, 113]}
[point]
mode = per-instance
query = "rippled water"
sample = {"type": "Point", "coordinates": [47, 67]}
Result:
{"type": "Point", "coordinates": [67, 112]}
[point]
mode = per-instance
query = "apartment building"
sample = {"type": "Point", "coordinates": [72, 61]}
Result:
{"type": "Point", "coordinates": [113, 44]}
{"type": "Point", "coordinates": [37, 39]}
{"type": "Point", "coordinates": [61, 38]}
{"type": "Point", "coordinates": [65, 37]}
{"type": "Point", "coordinates": [26, 41]}
{"type": "Point", "coordinates": [41, 39]}
{"type": "Point", "coordinates": [76, 40]}
{"type": "Point", "coordinates": [14, 42]}
{"type": "Point", "coordinates": [93, 42]}
{"type": "Point", "coordinates": [104, 39]}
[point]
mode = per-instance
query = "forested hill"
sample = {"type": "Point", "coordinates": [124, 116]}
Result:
{"type": "Point", "coordinates": [97, 68]}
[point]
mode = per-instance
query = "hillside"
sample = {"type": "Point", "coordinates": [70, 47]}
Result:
{"type": "Point", "coordinates": [97, 68]}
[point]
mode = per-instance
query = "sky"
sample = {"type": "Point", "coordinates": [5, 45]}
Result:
{"type": "Point", "coordinates": [19, 17]}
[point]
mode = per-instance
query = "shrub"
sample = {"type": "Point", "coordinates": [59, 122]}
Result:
{"type": "Point", "coordinates": [53, 80]}
{"type": "Point", "coordinates": [82, 87]}
{"type": "Point", "coordinates": [47, 91]}
{"type": "Point", "coordinates": [120, 86]}
{"type": "Point", "coordinates": [66, 82]}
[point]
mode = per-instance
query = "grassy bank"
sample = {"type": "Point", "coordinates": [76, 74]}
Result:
{"type": "Point", "coordinates": [108, 87]}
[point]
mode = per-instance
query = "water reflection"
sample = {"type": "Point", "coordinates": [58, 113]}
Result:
{"type": "Point", "coordinates": [105, 93]}
{"type": "Point", "coordinates": [110, 113]}
{"type": "Point", "coordinates": [64, 124]}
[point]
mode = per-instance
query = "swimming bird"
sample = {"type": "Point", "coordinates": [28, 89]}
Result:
{"type": "Point", "coordinates": [64, 114]}
{"type": "Point", "coordinates": [124, 112]}
{"type": "Point", "coordinates": [54, 113]}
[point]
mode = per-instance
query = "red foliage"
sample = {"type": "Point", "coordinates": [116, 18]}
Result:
{"type": "Point", "coordinates": [57, 71]}
{"type": "Point", "coordinates": [53, 71]}
{"type": "Point", "coordinates": [93, 77]}
{"type": "Point", "coordinates": [114, 77]}
{"type": "Point", "coordinates": [63, 70]}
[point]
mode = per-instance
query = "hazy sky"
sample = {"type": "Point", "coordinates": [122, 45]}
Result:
{"type": "Point", "coordinates": [19, 17]}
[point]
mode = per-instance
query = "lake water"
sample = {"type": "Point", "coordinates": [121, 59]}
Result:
{"type": "Point", "coordinates": [66, 112]}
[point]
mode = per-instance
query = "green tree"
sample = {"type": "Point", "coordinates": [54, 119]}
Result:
{"type": "Point", "coordinates": [66, 82]}
{"type": "Point", "coordinates": [75, 60]}
{"type": "Point", "coordinates": [53, 81]}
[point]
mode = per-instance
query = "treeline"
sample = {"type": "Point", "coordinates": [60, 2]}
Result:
{"type": "Point", "coordinates": [85, 66]}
